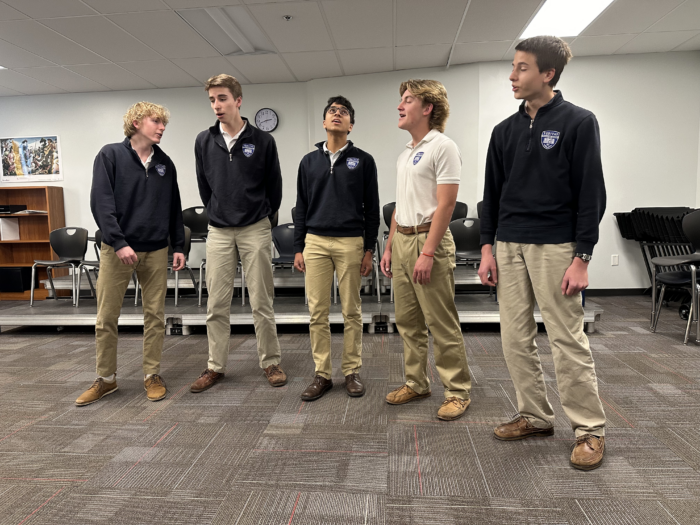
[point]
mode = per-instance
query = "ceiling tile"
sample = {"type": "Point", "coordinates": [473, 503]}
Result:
{"type": "Point", "coordinates": [489, 20]}
{"type": "Point", "coordinates": [7, 92]}
{"type": "Point", "coordinates": [185, 4]}
{"type": "Point", "coordinates": [630, 16]}
{"type": "Point", "coordinates": [414, 57]}
{"type": "Point", "coordinates": [418, 23]}
{"type": "Point", "coordinates": [204, 68]}
{"type": "Point", "coordinates": [690, 45]}
{"type": "Point", "coordinates": [13, 56]}
{"type": "Point", "coordinates": [367, 24]}
{"type": "Point", "coordinates": [305, 32]}
{"type": "Point", "coordinates": [253, 2]}
{"type": "Point", "coordinates": [165, 32]}
{"type": "Point", "coordinates": [34, 37]}
{"type": "Point", "coordinates": [107, 7]}
{"type": "Point", "coordinates": [361, 61]}
{"type": "Point", "coordinates": [103, 37]}
{"type": "Point", "coordinates": [599, 45]}
{"type": "Point", "coordinates": [10, 13]}
{"type": "Point", "coordinates": [50, 8]}
{"type": "Point", "coordinates": [63, 78]}
{"type": "Point", "coordinates": [24, 84]}
{"type": "Point", "coordinates": [479, 52]}
{"type": "Point", "coordinates": [686, 17]}
{"type": "Point", "coordinates": [262, 69]}
{"type": "Point", "coordinates": [112, 76]}
{"type": "Point", "coordinates": [313, 64]}
{"type": "Point", "coordinates": [161, 73]}
{"type": "Point", "coordinates": [656, 42]}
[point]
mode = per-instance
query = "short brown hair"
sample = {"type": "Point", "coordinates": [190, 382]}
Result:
{"type": "Point", "coordinates": [226, 81]}
{"type": "Point", "coordinates": [430, 92]}
{"type": "Point", "coordinates": [551, 52]}
{"type": "Point", "coordinates": [141, 110]}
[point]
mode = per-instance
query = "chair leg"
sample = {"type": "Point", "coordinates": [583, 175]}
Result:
{"type": "Point", "coordinates": [658, 308]}
{"type": "Point", "coordinates": [378, 281]}
{"type": "Point", "coordinates": [49, 274]}
{"type": "Point", "coordinates": [177, 285]}
{"type": "Point", "coordinates": [92, 287]}
{"type": "Point", "coordinates": [74, 279]}
{"type": "Point", "coordinates": [189, 270]}
{"type": "Point", "coordinates": [80, 275]}
{"type": "Point", "coordinates": [136, 288]}
{"type": "Point", "coordinates": [31, 289]}
{"type": "Point", "coordinates": [653, 297]}
{"type": "Point", "coordinates": [201, 281]}
{"type": "Point", "coordinates": [242, 286]}
{"type": "Point", "coordinates": [690, 321]}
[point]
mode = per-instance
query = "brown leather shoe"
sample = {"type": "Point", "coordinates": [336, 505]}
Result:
{"type": "Point", "coordinates": [520, 428]}
{"type": "Point", "coordinates": [155, 388]}
{"type": "Point", "coordinates": [275, 375]}
{"type": "Point", "coordinates": [588, 452]}
{"type": "Point", "coordinates": [354, 386]}
{"type": "Point", "coordinates": [97, 391]}
{"type": "Point", "coordinates": [453, 408]}
{"type": "Point", "coordinates": [315, 390]}
{"type": "Point", "coordinates": [205, 381]}
{"type": "Point", "coordinates": [404, 394]}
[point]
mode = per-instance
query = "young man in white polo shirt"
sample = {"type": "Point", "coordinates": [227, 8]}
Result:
{"type": "Point", "coordinates": [420, 252]}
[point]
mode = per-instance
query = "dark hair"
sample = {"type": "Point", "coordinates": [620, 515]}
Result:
{"type": "Point", "coordinates": [339, 99]}
{"type": "Point", "coordinates": [551, 52]}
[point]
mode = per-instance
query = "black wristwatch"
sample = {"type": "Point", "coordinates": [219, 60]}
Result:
{"type": "Point", "coordinates": [584, 257]}
{"type": "Point", "coordinates": [371, 250]}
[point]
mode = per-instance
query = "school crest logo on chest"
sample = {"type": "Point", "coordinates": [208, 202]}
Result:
{"type": "Point", "coordinates": [160, 168]}
{"type": "Point", "coordinates": [417, 158]}
{"type": "Point", "coordinates": [248, 149]}
{"type": "Point", "coordinates": [352, 162]}
{"type": "Point", "coordinates": [549, 139]}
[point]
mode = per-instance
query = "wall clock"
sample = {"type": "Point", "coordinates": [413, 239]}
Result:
{"type": "Point", "coordinates": [266, 119]}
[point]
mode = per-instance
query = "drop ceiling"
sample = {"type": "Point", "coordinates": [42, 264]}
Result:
{"type": "Point", "coordinates": [73, 46]}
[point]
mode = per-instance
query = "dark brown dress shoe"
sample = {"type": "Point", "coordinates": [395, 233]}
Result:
{"type": "Point", "coordinates": [207, 380]}
{"type": "Point", "coordinates": [354, 386]}
{"type": "Point", "coordinates": [520, 428]}
{"type": "Point", "coordinates": [320, 386]}
{"type": "Point", "coordinates": [588, 452]}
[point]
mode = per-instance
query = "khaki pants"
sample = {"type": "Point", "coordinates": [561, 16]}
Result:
{"type": "Point", "coordinates": [253, 244]}
{"type": "Point", "coordinates": [534, 272]}
{"type": "Point", "coordinates": [433, 303]}
{"type": "Point", "coordinates": [152, 271]}
{"type": "Point", "coordinates": [321, 256]}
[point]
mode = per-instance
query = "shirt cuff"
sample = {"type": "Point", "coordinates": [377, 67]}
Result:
{"type": "Point", "coordinates": [585, 247]}
{"type": "Point", "coordinates": [487, 238]}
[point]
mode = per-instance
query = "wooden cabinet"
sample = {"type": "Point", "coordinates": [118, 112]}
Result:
{"type": "Point", "coordinates": [34, 232]}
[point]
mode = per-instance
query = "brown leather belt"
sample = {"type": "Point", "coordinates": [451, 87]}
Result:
{"type": "Point", "coordinates": [412, 230]}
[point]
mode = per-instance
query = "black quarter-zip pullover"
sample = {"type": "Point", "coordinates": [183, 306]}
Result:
{"type": "Point", "coordinates": [544, 178]}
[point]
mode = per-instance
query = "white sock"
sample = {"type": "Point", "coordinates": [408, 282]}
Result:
{"type": "Point", "coordinates": [109, 379]}
{"type": "Point", "coordinates": [147, 376]}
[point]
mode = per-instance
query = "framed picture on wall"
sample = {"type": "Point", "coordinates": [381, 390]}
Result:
{"type": "Point", "coordinates": [31, 159]}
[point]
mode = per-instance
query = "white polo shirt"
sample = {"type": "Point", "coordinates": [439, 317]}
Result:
{"type": "Point", "coordinates": [435, 160]}
{"type": "Point", "coordinates": [230, 141]}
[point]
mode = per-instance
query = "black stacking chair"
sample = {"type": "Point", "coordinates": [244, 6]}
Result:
{"type": "Point", "coordinates": [460, 211]}
{"type": "Point", "coordinates": [186, 253]}
{"type": "Point", "coordinates": [678, 277]}
{"type": "Point", "coordinates": [70, 244]}
{"type": "Point", "coordinates": [479, 206]}
{"type": "Point", "coordinates": [467, 240]}
{"type": "Point", "coordinates": [197, 220]}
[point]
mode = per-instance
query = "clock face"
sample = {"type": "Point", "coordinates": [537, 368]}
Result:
{"type": "Point", "coordinates": [266, 119]}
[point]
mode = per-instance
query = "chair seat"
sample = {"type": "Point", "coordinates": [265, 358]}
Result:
{"type": "Point", "coordinates": [674, 260]}
{"type": "Point", "coordinates": [58, 262]}
{"type": "Point", "coordinates": [283, 260]}
{"type": "Point", "coordinates": [468, 255]}
{"type": "Point", "coordinates": [91, 263]}
{"type": "Point", "coordinates": [674, 278]}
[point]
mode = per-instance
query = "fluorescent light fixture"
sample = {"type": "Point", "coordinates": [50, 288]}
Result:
{"type": "Point", "coordinates": [230, 30]}
{"type": "Point", "coordinates": [3, 67]}
{"type": "Point", "coordinates": [564, 17]}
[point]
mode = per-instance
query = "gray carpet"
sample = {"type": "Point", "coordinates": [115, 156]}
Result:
{"type": "Point", "coordinates": [245, 453]}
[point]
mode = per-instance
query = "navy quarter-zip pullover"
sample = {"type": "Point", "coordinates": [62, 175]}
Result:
{"type": "Point", "coordinates": [340, 200]}
{"type": "Point", "coordinates": [242, 186]}
{"type": "Point", "coordinates": [133, 206]}
{"type": "Point", "coordinates": [544, 178]}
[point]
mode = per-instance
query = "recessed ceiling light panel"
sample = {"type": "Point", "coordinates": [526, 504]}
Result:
{"type": "Point", "coordinates": [564, 17]}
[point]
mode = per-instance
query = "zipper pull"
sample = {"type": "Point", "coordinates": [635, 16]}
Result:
{"type": "Point", "coordinates": [531, 121]}
{"type": "Point", "coordinates": [230, 157]}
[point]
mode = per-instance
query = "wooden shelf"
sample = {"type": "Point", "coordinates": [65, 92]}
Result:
{"type": "Point", "coordinates": [20, 215]}
{"type": "Point", "coordinates": [16, 265]}
{"type": "Point", "coordinates": [28, 241]}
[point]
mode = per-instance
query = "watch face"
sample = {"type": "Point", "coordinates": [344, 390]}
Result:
{"type": "Point", "coordinates": [266, 119]}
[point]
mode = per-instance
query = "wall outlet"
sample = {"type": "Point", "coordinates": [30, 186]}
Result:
{"type": "Point", "coordinates": [615, 260]}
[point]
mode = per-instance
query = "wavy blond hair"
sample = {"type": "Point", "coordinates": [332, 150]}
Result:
{"type": "Point", "coordinates": [430, 92]}
{"type": "Point", "coordinates": [141, 110]}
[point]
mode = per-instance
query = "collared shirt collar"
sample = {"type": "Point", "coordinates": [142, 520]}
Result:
{"type": "Point", "coordinates": [326, 150]}
{"type": "Point", "coordinates": [231, 140]}
{"type": "Point", "coordinates": [428, 137]}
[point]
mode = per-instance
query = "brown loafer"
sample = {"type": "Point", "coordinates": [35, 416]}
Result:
{"type": "Point", "coordinates": [404, 394]}
{"type": "Point", "coordinates": [155, 388]}
{"type": "Point", "coordinates": [97, 391]}
{"type": "Point", "coordinates": [520, 428]}
{"type": "Point", "coordinates": [354, 386]}
{"type": "Point", "coordinates": [315, 390]}
{"type": "Point", "coordinates": [275, 375]}
{"type": "Point", "coordinates": [205, 381]}
{"type": "Point", "coordinates": [453, 408]}
{"type": "Point", "coordinates": [588, 452]}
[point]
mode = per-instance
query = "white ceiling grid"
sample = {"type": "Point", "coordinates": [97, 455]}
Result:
{"type": "Point", "coordinates": [58, 46]}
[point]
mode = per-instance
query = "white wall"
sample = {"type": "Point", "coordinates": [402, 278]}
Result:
{"type": "Point", "coordinates": [647, 106]}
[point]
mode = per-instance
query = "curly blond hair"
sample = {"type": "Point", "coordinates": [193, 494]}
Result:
{"type": "Point", "coordinates": [141, 110]}
{"type": "Point", "coordinates": [430, 92]}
